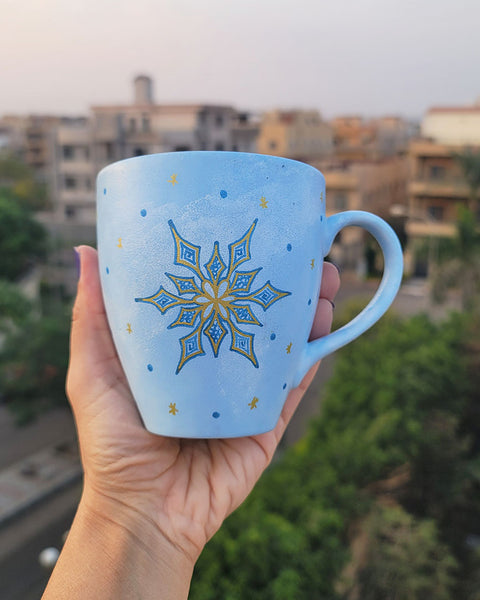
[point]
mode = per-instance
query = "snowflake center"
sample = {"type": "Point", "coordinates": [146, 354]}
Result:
{"type": "Point", "coordinates": [215, 298]}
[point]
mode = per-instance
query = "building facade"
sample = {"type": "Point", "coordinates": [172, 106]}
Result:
{"type": "Point", "coordinates": [82, 147]}
{"type": "Point", "coordinates": [297, 134]}
{"type": "Point", "coordinates": [437, 186]}
{"type": "Point", "coordinates": [378, 186]}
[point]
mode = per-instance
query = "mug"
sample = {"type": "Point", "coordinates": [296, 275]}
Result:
{"type": "Point", "coordinates": [210, 265]}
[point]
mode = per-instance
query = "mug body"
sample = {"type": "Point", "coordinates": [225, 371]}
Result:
{"type": "Point", "coordinates": [210, 267]}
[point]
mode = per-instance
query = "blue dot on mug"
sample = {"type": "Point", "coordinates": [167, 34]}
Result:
{"type": "Point", "coordinates": [215, 415]}
{"type": "Point", "coordinates": [284, 385]}
{"type": "Point", "coordinates": [108, 271]}
{"type": "Point", "coordinates": [104, 191]}
{"type": "Point", "coordinates": [289, 247]}
{"type": "Point", "coordinates": [150, 368]}
{"type": "Point", "coordinates": [273, 336]}
{"type": "Point", "coordinates": [309, 301]}
{"type": "Point", "coordinates": [143, 212]}
{"type": "Point", "coordinates": [223, 193]}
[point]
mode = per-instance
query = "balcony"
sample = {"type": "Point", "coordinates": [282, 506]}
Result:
{"type": "Point", "coordinates": [439, 188]}
{"type": "Point", "coordinates": [430, 229]}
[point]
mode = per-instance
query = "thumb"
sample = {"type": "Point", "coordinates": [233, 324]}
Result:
{"type": "Point", "coordinates": [94, 363]}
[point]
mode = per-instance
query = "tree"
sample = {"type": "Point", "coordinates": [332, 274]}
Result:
{"type": "Point", "coordinates": [405, 559]}
{"type": "Point", "coordinates": [459, 263]}
{"type": "Point", "coordinates": [469, 161]}
{"type": "Point", "coordinates": [22, 240]}
{"type": "Point", "coordinates": [403, 399]}
{"type": "Point", "coordinates": [18, 182]}
{"type": "Point", "coordinates": [33, 366]}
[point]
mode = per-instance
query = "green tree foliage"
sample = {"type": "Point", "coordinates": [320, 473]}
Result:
{"type": "Point", "coordinates": [22, 239]}
{"type": "Point", "coordinates": [469, 161]}
{"type": "Point", "coordinates": [33, 365]}
{"type": "Point", "coordinates": [459, 263]}
{"type": "Point", "coordinates": [18, 182]}
{"type": "Point", "coordinates": [406, 560]}
{"type": "Point", "coordinates": [34, 343]}
{"type": "Point", "coordinates": [402, 397]}
{"type": "Point", "coordinates": [14, 307]}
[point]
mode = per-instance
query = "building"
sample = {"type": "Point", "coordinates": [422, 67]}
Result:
{"type": "Point", "coordinates": [378, 186]}
{"type": "Point", "coordinates": [30, 138]}
{"type": "Point", "coordinates": [357, 139]}
{"type": "Point", "coordinates": [297, 134]}
{"type": "Point", "coordinates": [437, 186]}
{"type": "Point", "coordinates": [145, 127]}
{"type": "Point", "coordinates": [83, 147]}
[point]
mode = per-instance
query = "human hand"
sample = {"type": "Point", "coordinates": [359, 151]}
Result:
{"type": "Point", "coordinates": [176, 491]}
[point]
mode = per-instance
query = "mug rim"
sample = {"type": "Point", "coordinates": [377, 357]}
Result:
{"type": "Point", "coordinates": [218, 153]}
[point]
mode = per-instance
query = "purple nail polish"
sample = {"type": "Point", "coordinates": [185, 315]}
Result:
{"type": "Point", "coordinates": [77, 262]}
{"type": "Point", "coordinates": [335, 265]}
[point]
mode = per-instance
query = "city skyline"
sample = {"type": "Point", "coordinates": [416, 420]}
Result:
{"type": "Point", "coordinates": [368, 57]}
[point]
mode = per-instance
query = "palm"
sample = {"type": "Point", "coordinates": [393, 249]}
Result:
{"type": "Point", "coordinates": [190, 486]}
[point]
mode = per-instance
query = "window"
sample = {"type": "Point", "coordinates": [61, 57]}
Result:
{"type": "Point", "coordinates": [219, 146]}
{"type": "Point", "coordinates": [138, 152]}
{"type": "Point", "coordinates": [69, 212]}
{"type": "Point", "coordinates": [145, 124]}
{"type": "Point", "coordinates": [435, 213]}
{"type": "Point", "coordinates": [219, 120]}
{"type": "Point", "coordinates": [109, 150]}
{"type": "Point", "coordinates": [67, 152]}
{"type": "Point", "coordinates": [70, 182]}
{"type": "Point", "coordinates": [437, 172]}
{"type": "Point", "coordinates": [340, 201]}
{"type": "Point", "coordinates": [272, 144]}
{"type": "Point", "coordinates": [181, 148]}
{"type": "Point", "coordinates": [132, 125]}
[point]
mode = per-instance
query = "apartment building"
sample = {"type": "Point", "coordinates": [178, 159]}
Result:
{"type": "Point", "coordinates": [116, 132]}
{"type": "Point", "coordinates": [297, 134]}
{"type": "Point", "coordinates": [377, 186]}
{"type": "Point", "coordinates": [30, 138]}
{"type": "Point", "coordinates": [437, 186]}
{"type": "Point", "coordinates": [359, 139]}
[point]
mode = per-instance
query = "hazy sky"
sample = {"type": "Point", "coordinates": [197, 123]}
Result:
{"type": "Point", "coordinates": [370, 57]}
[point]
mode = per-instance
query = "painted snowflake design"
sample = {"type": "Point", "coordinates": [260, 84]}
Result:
{"type": "Point", "coordinates": [215, 302]}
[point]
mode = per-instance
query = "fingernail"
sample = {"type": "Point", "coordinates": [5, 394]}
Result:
{"type": "Point", "coordinates": [77, 261]}
{"type": "Point", "coordinates": [335, 265]}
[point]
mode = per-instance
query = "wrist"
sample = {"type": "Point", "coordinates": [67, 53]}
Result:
{"type": "Point", "coordinates": [122, 556]}
{"type": "Point", "coordinates": [139, 533]}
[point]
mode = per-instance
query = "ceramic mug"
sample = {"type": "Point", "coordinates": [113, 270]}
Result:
{"type": "Point", "coordinates": [211, 264]}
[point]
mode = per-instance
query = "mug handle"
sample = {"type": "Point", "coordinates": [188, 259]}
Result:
{"type": "Point", "coordinates": [378, 305]}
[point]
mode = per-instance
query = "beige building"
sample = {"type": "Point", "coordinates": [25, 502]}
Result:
{"type": "Point", "coordinates": [456, 126]}
{"type": "Point", "coordinates": [375, 186]}
{"type": "Point", "coordinates": [30, 138]}
{"type": "Point", "coordinates": [81, 147]}
{"type": "Point", "coordinates": [297, 134]}
{"type": "Point", "coordinates": [145, 127]}
{"type": "Point", "coordinates": [358, 139]}
{"type": "Point", "coordinates": [437, 187]}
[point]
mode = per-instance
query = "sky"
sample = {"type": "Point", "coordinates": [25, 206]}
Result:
{"type": "Point", "coordinates": [366, 57]}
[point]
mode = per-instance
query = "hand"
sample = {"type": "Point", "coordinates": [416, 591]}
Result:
{"type": "Point", "coordinates": [179, 490]}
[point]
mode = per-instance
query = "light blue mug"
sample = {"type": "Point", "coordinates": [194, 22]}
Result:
{"type": "Point", "coordinates": [211, 264]}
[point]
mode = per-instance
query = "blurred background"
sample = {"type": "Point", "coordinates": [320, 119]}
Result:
{"type": "Point", "coordinates": [375, 491]}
